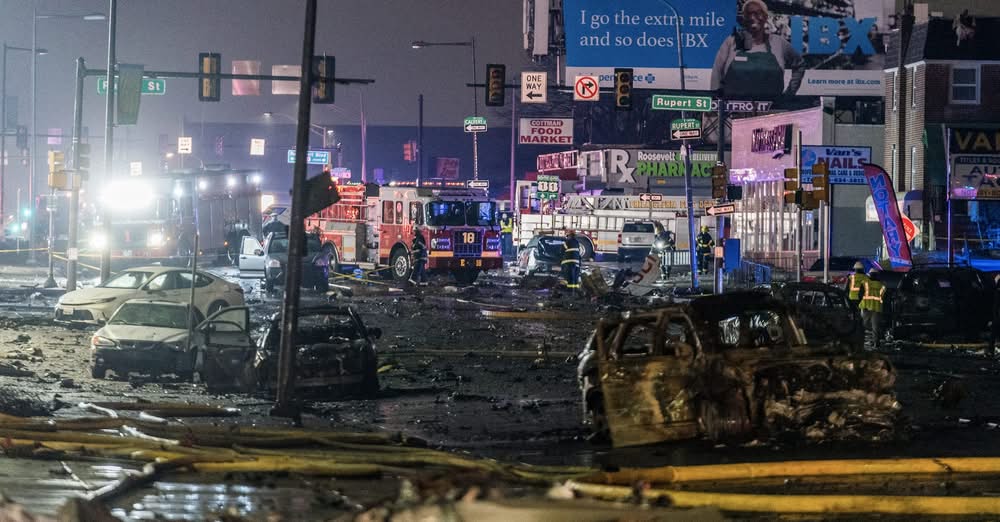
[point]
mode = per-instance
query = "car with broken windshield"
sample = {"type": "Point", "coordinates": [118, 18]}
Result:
{"type": "Point", "coordinates": [734, 366]}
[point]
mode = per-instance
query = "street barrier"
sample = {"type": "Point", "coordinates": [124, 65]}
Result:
{"type": "Point", "coordinates": [750, 275]}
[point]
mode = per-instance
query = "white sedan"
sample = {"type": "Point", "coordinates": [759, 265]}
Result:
{"type": "Point", "coordinates": [95, 305]}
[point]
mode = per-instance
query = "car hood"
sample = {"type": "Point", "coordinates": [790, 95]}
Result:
{"type": "Point", "coordinates": [127, 332]}
{"type": "Point", "coordinates": [93, 295]}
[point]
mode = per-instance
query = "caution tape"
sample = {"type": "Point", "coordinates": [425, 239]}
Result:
{"type": "Point", "coordinates": [351, 278]}
{"type": "Point", "coordinates": [85, 265]}
{"type": "Point", "coordinates": [14, 251]}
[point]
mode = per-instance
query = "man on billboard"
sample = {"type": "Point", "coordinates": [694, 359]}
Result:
{"type": "Point", "coordinates": [751, 63]}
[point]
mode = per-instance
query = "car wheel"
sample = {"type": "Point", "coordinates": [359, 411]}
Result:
{"type": "Point", "coordinates": [98, 372]}
{"type": "Point", "coordinates": [400, 262]}
{"type": "Point", "coordinates": [586, 249]}
{"type": "Point", "coordinates": [268, 286]}
{"type": "Point", "coordinates": [216, 306]}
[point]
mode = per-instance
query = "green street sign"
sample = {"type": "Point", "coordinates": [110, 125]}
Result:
{"type": "Point", "coordinates": [685, 124]}
{"type": "Point", "coordinates": [548, 187]}
{"type": "Point", "coordinates": [156, 86]}
{"type": "Point", "coordinates": [670, 102]}
{"type": "Point", "coordinates": [475, 124]}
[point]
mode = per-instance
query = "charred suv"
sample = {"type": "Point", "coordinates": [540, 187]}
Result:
{"type": "Point", "coordinates": [734, 366]}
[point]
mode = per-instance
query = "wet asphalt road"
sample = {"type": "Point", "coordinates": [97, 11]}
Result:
{"type": "Point", "coordinates": [493, 387]}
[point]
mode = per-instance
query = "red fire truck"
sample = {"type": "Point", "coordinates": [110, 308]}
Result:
{"type": "Point", "coordinates": [372, 227]}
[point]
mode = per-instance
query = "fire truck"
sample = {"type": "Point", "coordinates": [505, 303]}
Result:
{"type": "Point", "coordinates": [371, 227]}
{"type": "Point", "coordinates": [155, 218]}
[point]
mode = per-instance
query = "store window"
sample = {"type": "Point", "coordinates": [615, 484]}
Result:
{"type": "Point", "coordinates": [965, 85]}
{"type": "Point", "coordinates": [913, 168]}
{"type": "Point", "coordinates": [895, 90]}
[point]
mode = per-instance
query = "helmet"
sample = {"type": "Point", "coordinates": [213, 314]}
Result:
{"type": "Point", "coordinates": [859, 266]}
{"type": "Point", "coordinates": [704, 229]}
{"type": "Point", "coordinates": [873, 273]}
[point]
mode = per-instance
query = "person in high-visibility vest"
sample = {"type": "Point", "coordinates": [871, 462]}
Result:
{"type": "Point", "coordinates": [571, 261]}
{"type": "Point", "coordinates": [507, 236]}
{"type": "Point", "coordinates": [855, 283]}
{"type": "Point", "coordinates": [871, 305]}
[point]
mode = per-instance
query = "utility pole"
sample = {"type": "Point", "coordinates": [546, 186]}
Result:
{"type": "Point", "coordinates": [109, 142]}
{"type": "Point", "coordinates": [475, 112]}
{"type": "Point", "coordinates": [797, 148]}
{"type": "Point", "coordinates": [296, 240]}
{"type": "Point", "coordinates": [720, 221]}
{"type": "Point", "coordinates": [419, 153]}
{"type": "Point", "coordinates": [74, 198]}
{"type": "Point", "coordinates": [513, 144]}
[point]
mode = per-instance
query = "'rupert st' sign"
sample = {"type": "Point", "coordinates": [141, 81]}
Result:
{"type": "Point", "coordinates": [546, 131]}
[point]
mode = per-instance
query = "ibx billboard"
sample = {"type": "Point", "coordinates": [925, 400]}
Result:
{"type": "Point", "coordinates": [750, 49]}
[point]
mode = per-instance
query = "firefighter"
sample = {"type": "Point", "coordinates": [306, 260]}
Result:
{"type": "Point", "coordinates": [855, 283]}
{"type": "Point", "coordinates": [873, 294]}
{"type": "Point", "coordinates": [704, 243]}
{"type": "Point", "coordinates": [418, 254]}
{"type": "Point", "coordinates": [507, 236]}
{"type": "Point", "coordinates": [571, 261]}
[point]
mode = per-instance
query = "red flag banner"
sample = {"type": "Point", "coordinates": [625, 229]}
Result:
{"type": "Point", "coordinates": [893, 230]}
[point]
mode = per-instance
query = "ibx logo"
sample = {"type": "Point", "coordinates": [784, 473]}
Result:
{"type": "Point", "coordinates": [649, 78]}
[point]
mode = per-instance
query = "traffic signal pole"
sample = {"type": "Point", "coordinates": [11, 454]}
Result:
{"type": "Point", "coordinates": [720, 221]}
{"type": "Point", "coordinates": [74, 199]}
{"type": "Point", "coordinates": [109, 142]}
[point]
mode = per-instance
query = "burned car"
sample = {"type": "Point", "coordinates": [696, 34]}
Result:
{"type": "Point", "coordinates": [335, 352]}
{"type": "Point", "coordinates": [733, 366]}
{"type": "Point", "coordinates": [543, 254]}
{"type": "Point", "coordinates": [935, 302]}
{"type": "Point", "coordinates": [823, 312]}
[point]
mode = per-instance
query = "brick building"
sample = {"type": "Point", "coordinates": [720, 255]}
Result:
{"type": "Point", "coordinates": [939, 74]}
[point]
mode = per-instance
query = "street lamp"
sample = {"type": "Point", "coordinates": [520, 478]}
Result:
{"type": "Point", "coordinates": [35, 17]}
{"type": "Point", "coordinates": [420, 44]}
{"type": "Point", "coordinates": [3, 115]}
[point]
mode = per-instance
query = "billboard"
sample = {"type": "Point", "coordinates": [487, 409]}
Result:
{"type": "Point", "coordinates": [446, 168]}
{"type": "Point", "coordinates": [750, 49]}
{"type": "Point", "coordinates": [975, 163]}
{"type": "Point", "coordinates": [846, 164]}
{"type": "Point", "coordinates": [631, 168]}
{"type": "Point", "coordinates": [762, 146]}
{"type": "Point", "coordinates": [546, 131]}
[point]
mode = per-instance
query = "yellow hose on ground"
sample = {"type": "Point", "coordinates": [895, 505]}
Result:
{"type": "Point", "coordinates": [805, 504]}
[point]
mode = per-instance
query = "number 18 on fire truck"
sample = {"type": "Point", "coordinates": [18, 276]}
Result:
{"type": "Point", "coordinates": [372, 227]}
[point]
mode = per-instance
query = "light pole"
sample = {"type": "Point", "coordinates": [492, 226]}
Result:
{"type": "Point", "coordinates": [686, 152]}
{"type": "Point", "coordinates": [35, 17]}
{"type": "Point", "coordinates": [3, 119]}
{"type": "Point", "coordinates": [323, 132]}
{"type": "Point", "coordinates": [419, 44]}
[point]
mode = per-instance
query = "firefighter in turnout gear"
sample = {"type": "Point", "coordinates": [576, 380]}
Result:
{"type": "Point", "coordinates": [704, 244]}
{"type": "Point", "coordinates": [571, 261]}
{"type": "Point", "coordinates": [872, 297]}
{"type": "Point", "coordinates": [507, 236]}
{"type": "Point", "coordinates": [855, 284]}
{"type": "Point", "coordinates": [418, 255]}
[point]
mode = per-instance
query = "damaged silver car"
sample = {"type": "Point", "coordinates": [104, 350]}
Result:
{"type": "Point", "coordinates": [729, 367]}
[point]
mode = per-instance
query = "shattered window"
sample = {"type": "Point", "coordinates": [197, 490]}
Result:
{"type": "Point", "coordinates": [752, 329]}
{"type": "Point", "coordinates": [639, 338]}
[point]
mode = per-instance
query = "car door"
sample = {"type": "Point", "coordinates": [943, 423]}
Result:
{"type": "Point", "coordinates": [646, 372]}
{"type": "Point", "coordinates": [251, 260]}
{"type": "Point", "coordinates": [226, 350]}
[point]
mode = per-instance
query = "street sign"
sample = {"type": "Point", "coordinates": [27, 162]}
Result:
{"type": "Point", "coordinates": [156, 86]}
{"type": "Point", "coordinates": [685, 134]}
{"type": "Point", "coordinates": [478, 184]}
{"type": "Point", "coordinates": [685, 124]}
{"type": "Point", "coordinates": [475, 124]}
{"type": "Point", "coordinates": [548, 187]}
{"type": "Point", "coordinates": [135, 168]}
{"type": "Point", "coordinates": [533, 87]}
{"type": "Point", "coordinates": [586, 88]}
{"type": "Point", "coordinates": [315, 157]}
{"type": "Point", "coordinates": [545, 131]}
{"type": "Point", "coordinates": [671, 102]}
{"type": "Point", "coordinates": [649, 196]}
{"type": "Point", "coordinates": [721, 210]}
{"type": "Point", "coordinates": [340, 172]}
{"type": "Point", "coordinates": [184, 145]}
{"type": "Point", "coordinates": [257, 146]}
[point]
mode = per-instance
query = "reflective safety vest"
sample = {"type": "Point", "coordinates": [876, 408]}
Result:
{"type": "Point", "coordinates": [872, 300]}
{"type": "Point", "coordinates": [507, 226]}
{"type": "Point", "coordinates": [571, 251]}
{"type": "Point", "coordinates": [854, 286]}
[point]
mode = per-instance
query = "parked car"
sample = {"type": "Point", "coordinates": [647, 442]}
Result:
{"type": "Point", "coordinates": [823, 311]}
{"type": "Point", "coordinates": [269, 261]}
{"type": "Point", "coordinates": [335, 352]}
{"type": "Point", "coordinates": [936, 302]}
{"type": "Point", "coordinates": [95, 305]}
{"type": "Point", "coordinates": [635, 240]}
{"type": "Point", "coordinates": [841, 267]}
{"type": "Point", "coordinates": [151, 337]}
{"type": "Point", "coordinates": [542, 254]}
{"type": "Point", "coordinates": [730, 366]}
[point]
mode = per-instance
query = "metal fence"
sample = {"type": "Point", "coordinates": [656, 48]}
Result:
{"type": "Point", "coordinates": [749, 275]}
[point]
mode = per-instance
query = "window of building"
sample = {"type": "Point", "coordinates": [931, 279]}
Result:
{"type": "Point", "coordinates": [892, 170]}
{"type": "Point", "coordinates": [913, 87]}
{"type": "Point", "coordinates": [913, 167]}
{"type": "Point", "coordinates": [965, 84]}
{"type": "Point", "coordinates": [895, 90]}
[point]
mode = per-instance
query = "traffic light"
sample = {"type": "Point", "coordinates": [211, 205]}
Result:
{"type": "Point", "coordinates": [324, 68]}
{"type": "Point", "coordinates": [408, 152]}
{"type": "Point", "coordinates": [22, 137]}
{"type": "Point", "coordinates": [821, 181]}
{"type": "Point", "coordinates": [720, 178]}
{"type": "Point", "coordinates": [210, 89]}
{"type": "Point", "coordinates": [82, 158]}
{"type": "Point", "coordinates": [623, 89]}
{"type": "Point", "coordinates": [496, 74]}
{"type": "Point", "coordinates": [809, 200]}
{"type": "Point", "coordinates": [57, 169]}
{"type": "Point", "coordinates": [792, 192]}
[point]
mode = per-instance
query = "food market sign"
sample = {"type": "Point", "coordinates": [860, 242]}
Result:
{"type": "Point", "coordinates": [546, 131]}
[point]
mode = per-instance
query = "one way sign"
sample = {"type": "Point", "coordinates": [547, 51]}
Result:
{"type": "Point", "coordinates": [533, 87]}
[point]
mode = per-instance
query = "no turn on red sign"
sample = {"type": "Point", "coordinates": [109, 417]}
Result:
{"type": "Point", "coordinates": [546, 131]}
{"type": "Point", "coordinates": [586, 88]}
